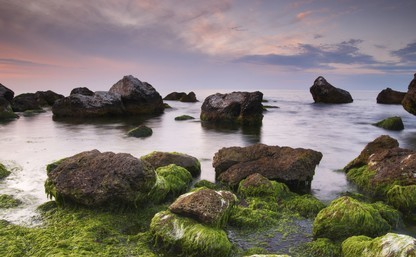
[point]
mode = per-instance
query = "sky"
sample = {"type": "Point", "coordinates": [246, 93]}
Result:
{"type": "Point", "coordinates": [185, 45]}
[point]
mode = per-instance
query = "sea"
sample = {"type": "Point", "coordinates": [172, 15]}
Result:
{"type": "Point", "coordinates": [339, 131]}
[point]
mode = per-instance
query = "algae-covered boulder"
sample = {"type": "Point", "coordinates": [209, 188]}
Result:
{"type": "Point", "coordinates": [321, 247]}
{"type": "Point", "coordinates": [236, 107]}
{"type": "Point", "coordinates": [187, 237]}
{"type": "Point", "coordinates": [206, 206]}
{"type": "Point", "coordinates": [392, 123]}
{"type": "Point", "coordinates": [160, 159]}
{"type": "Point", "coordinates": [258, 185]}
{"type": "Point", "coordinates": [323, 92]}
{"type": "Point", "coordinates": [293, 166]}
{"type": "Point", "coordinates": [4, 172]}
{"type": "Point", "coordinates": [93, 178]}
{"type": "Point", "coordinates": [389, 245]}
{"type": "Point", "coordinates": [47, 98]}
{"type": "Point", "coordinates": [390, 96]}
{"type": "Point", "coordinates": [402, 197]}
{"type": "Point", "coordinates": [140, 131]}
{"type": "Point", "coordinates": [409, 100]}
{"type": "Point", "coordinates": [174, 96]}
{"type": "Point", "coordinates": [346, 217]}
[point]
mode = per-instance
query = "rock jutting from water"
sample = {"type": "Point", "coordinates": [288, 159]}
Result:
{"type": "Point", "coordinates": [392, 123]}
{"type": "Point", "coordinates": [6, 97]}
{"type": "Point", "coordinates": [34, 101]}
{"type": "Point", "coordinates": [140, 131]}
{"type": "Point", "coordinates": [323, 92]}
{"type": "Point", "coordinates": [182, 97]}
{"type": "Point", "coordinates": [129, 96]}
{"type": "Point", "coordinates": [237, 107]}
{"type": "Point", "coordinates": [81, 91]}
{"type": "Point", "coordinates": [390, 96]}
{"type": "Point", "coordinates": [159, 159]}
{"type": "Point", "coordinates": [409, 100]}
{"type": "Point", "coordinates": [293, 166]}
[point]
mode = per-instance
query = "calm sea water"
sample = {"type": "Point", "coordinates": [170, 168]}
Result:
{"type": "Point", "coordinates": [340, 132]}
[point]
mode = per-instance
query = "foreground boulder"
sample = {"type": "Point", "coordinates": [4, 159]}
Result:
{"type": "Point", "coordinates": [323, 92]}
{"type": "Point", "coordinates": [390, 96]}
{"type": "Point", "coordinates": [409, 100]}
{"type": "Point", "coordinates": [294, 167]}
{"type": "Point", "coordinates": [236, 107]}
{"type": "Point", "coordinates": [93, 178]}
{"type": "Point", "coordinates": [160, 159]}
{"type": "Point", "coordinates": [392, 123]}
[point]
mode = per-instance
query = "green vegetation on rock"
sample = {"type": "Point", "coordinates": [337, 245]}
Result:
{"type": "Point", "coordinates": [140, 131]}
{"type": "Point", "coordinates": [206, 184]}
{"type": "Point", "coordinates": [306, 205]}
{"type": "Point", "coordinates": [361, 177]}
{"type": "Point", "coordinates": [402, 197]}
{"type": "Point", "coordinates": [8, 201]}
{"type": "Point", "coordinates": [321, 247]}
{"type": "Point", "coordinates": [392, 123]}
{"type": "Point", "coordinates": [3, 171]}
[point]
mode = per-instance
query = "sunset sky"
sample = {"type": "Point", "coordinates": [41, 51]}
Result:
{"type": "Point", "coordinates": [183, 45]}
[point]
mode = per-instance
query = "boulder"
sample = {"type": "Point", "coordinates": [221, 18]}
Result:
{"type": "Point", "coordinates": [206, 206]}
{"type": "Point", "coordinates": [390, 96]}
{"type": "Point", "coordinates": [392, 123]}
{"type": "Point", "coordinates": [236, 107]}
{"type": "Point", "coordinates": [6, 93]}
{"type": "Point", "coordinates": [106, 179]}
{"type": "Point", "coordinates": [184, 117]}
{"type": "Point", "coordinates": [138, 97]}
{"type": "Point", "coordinates": [140, 131]}
{"type": "Point", "coordinates": [390, 244]}
{"type": "Point", "coordinates": [323, 92]}
{"type": "Point", "coordinates": [409, 100]}
{"type": "Point", "coordinates": [81, 91]}
{"type": "Point", "coordinates": [189, 98]}
{"type": "Point", "coordinates": [295, 167]}
{"type": "Point", "coordinates": [6, 111]}
{"type": "Point", "coordinates": [160, 159]}
{"type": "Point", "coordinates": [174, 96]}
{"type": "Point", "coordinates": [47, 98]}
{"type": "Point", "coordinates": [98, 105]}
{"type": "Point", "coordinates": [24, 102]}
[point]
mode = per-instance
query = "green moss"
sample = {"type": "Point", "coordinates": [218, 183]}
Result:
{"type": "Point", "coordinates": [355, 246]}
{"type": "Point", "coordinates": [8, 201]}
{"type": "Point", "coordinates": [140, 131]}
{"type": "Point", "coordinates": [184, 117]}
{"type": "Point", "coordinates": [392, 123]}
{"type": "Point", "coordinates": [206, 184]}
{"type": "Point", "coordinates": [306, 205]}
{"type": "Point", "coordinates": [321, 247]}
{"type": "Point", "coordinates": [264, 187]}
{"type": "Point", "coordinates": [391, 215]}
{"type": "Point", "coordinates": [185, 236]}
{"type": "Point", "coordinates": [403, 197]}
{"type": "Point", "coordinates": [361, 177]}
{"type": "Point", "coordinates": [346, 217]}
{"type": "Point", "coordinates": [3, 171]}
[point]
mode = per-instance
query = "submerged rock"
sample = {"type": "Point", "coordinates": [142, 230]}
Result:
{"type": "Point", "coordinates": [392, 123]}
{"type": "Point", "coordinates": [409, 100]}
{"type": "Point", "coordinates": [93, 178]}
{"type": "Point", "coordinates": [323, 92]}
{"type": "Point", "coordinates": [160, 159]}
{"type": "Point", "coordinates": [236, 107]}
{"type": "Point", "coordinates": [390, 96]}
{"type": "Point", "coordinates": [140, 131]}
{"type": "Point", "coordinates": [294, 167]}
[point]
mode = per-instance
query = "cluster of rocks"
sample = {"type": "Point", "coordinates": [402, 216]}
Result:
{"type": "Point", "coordinates": [182, 97]}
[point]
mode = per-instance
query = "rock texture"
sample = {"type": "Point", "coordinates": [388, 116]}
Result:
{"type": "Point", "coordinates": [323, 92]}
{"type": "Point", "coordinates": [390, 96]}
{"type": "Point", "coordinates": [93, 178]}
{"type": "Point", "coordinates": [409, 100]}
{"type": "Point", "coordinates": [295, 167]}
{"type": "Point", "coordinates": [160, 159]}
{"type": "Point", "coordinates": [236, 107]}
{"type": "Point", "coordinates": [82, 91]}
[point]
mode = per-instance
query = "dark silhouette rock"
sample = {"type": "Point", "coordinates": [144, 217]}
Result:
{"type": "Point", "coordinates": [138, 97]}
{"type": "Point", "coordinates": [24, 102]}
{"type": "Point", "coordinates": [6, 111]}
{"type": "Point", "coordinates": [323, 92]}
{"type": "Point", "coordinates": [81, 91]}
{"type": "Point", "coordinates": [236, 107]}
{"type": "Point", "coordinates": [6, 93]}
{"type": "Point", "coordinates": [189, 98]}
{"type": "Point", "coordinates": [392, 123]}
{"type": "Point", "coordinates": [390, 96]}
{"type": "Point", "coordinates": [161, 159]}
{"type": "Point", "coordinates": [409, 100]}
{"type": "Point", "coordinates": [294, 167]}
{"type": "Point", "coordinates": [93, 178]}
{"type": "Point", "coordinates": [47, 98]}
{"type": "Point", "coordinates": [140, 131]}
{"type": "Point", "coordinates": [174, 96]}
{"type": "Point", "coordinates": [184, 117]}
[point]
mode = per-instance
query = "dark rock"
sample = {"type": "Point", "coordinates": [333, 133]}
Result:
{"type": "Point", "coordinates": [6, 111]}
{"type": "Point", "coordinates": [184, 117]}
{"type": "Point", "coordinates": [175, 96]}
{"type": "Point", "coordinates": [93, 178]}
{"type": "Point", "coordinates": [138, 97]}
{"type": "Point", "coordinates": [81, 91]}
{"type": "Point", "coordinates": [6, 93]}
{"type": "Point", "coordinates": [161, 159]}
{"type": "Point", "coordinates": [323, 92]}
{"type": "Point", "coordinates": [24, 102]}
{"type": "Point", "coordinates": [189, 98]}
{"type": "Point", "coordinates": [409, 100]}
{"type": "Point", "coordinates": [390, 96]}
{"type": "Point", "coordinates": [392, 123]}
{"type": "Point", "coordinates": [205, 205]}
{"type": "Point", "coordinates": [236, 107]}
{"type": "Point", "coordinates": [47, 98]}
{"type": "Point", "coordinates": [98, 105]}
{"type": "Point", "coordinates": [295, 167]}
{"type": "Point", "coordinates": [140, 131]}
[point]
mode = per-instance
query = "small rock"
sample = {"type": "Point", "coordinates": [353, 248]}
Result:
{"type": "Point", "coordinates": [140, 131]}
{"type": "Point", "coordinates": [392, 123]}
{"type": "Point", "coordinates": [184, 117]}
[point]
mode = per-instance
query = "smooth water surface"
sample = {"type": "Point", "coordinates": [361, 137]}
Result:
{"type": "Point", "coordinates": [340, 132]}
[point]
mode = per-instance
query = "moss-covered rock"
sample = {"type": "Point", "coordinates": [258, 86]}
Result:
{"type": "Point", "coordinates": [403, 197]}
{"type": "Point", "coordinates": [306, 205]}
{"type": "Point", "coordinates": [321, 247]}
{"type": "Point", "coordinates": [267, 255]}
{"type": "Point", "coordinates": [140, 131]}
{"type": "Point", "coordinates": [207, 184]}
{"type": "Point", "coordinates": [391, 215]}
{"type": "Point", "coordinates": [182, 235]}
{"type": "Point", "coordinates": [8, 201]}
{"type": "Point", "coordinates": [346, 217]}
{"type": "Point", "coordinates": [159, 159]}
{"type": "Point", "coordinates": [257, 185]}
{"type": "Point", "coordinates": [184, 117]}
{"type": "Point", "coordinates": [3, 171]}
{"type": "Point", "coordinates": [392, 123]}
{"type": "Point", "coordinates": [391, 245]}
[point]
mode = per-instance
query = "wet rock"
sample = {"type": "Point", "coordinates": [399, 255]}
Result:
{"type": "Point", "coordinates": [174, 96]}
{"type": "Point", "coordinates": [184, 117]}
{"type": "Point", "coordinates": [295, 167]}
{"type": "Point", "coordinates": [47, 98]}
{"type": "Point", "coordinates": [409, 100]}
{"type": "Point", "coordinates": [138, 97]}
{"type": "Point", "coordinates": [105, 179]}
{"type": "Point", "coordinates": [236, 107]}
{"type": "Point", "coordinates": [6, 93]}
{"type": "Point", "coordinates": [160, 159]}
{"type": "Point", "coordinates": [390, 96]}
{"type": "Point", "coordinates": [140, 131]}
{"type": "Point", "coordinates": [8, 201]}
{"type": "Point", "coordinates": [27, 101]}
{"type": "Point", "coordinates": [323, 92]}
{"type": "Point", "coordinates": [6, 111]}
{"type": "Point", "coordinates": [392, 123]}
{"type": "Point", "coordinates": [82, 91]}
{"type": "Point", "coordinates": [189, 98]}
{"type": "Point", "coordinates": [205, 205]}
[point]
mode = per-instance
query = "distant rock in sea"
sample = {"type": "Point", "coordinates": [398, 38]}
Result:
{"type": "Point", "coordinates": [409, 100]}
{"type": "Point", "coordinates": [34, 101]}
{"type": "Point", "coordinates": [392, 123]}
{"type": "Point", "coordinates": [182, 97]}
{"type": "Point", "coordinates": [323, 92]}
{"type": "Point", "coordinates": [81, 91]}
{"type": "Point", "coordinates": [390, 96]}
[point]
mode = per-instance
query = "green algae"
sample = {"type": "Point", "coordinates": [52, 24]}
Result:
{"type": "Point", "coordinates": [391, 215]}
{"type": "Point", "coordinates": [206, 184]}
{"type": "Point", "coordinates": [4, 172]}
{"type": "Point", "coordinates": [403, 197]}
{"type": "Point", "coordinates": [184, 117]}
{"type": "Point", "coordinates": [321, 247]}
{"type": "Point", "coordinates": [140, 131]}
{"type": "Point", "coordinates": [9, 201]}
{"type": "Point", "coordinates": [362, 178]}
{"type": "Point", "coordinates": [305, 205]}
{"type": "Point", "coordinates": [185, 236]}
{"type": "Point", "coordinates": [392, 123]}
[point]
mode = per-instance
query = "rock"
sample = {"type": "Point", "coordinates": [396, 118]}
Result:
{"type": "Point", "coordinates": [184, 117]}
{"type": "Point", "coordinates": [105, 179]}
{"type": "Point", "coordinates": [186, 237]}
{"type": "Point", "coordinates": [47, 98]}
{"type": "Point", "coordinates": [346, 217]}
{"type": "Point", "coordinates": [98, 105]}
{"type": "Point", "coordinates": [6, 111]}
{"type": "Point", "coordinates": [390, 96]}
{"type": "Point", "coordinates": [189, 98]}
{"type": "Point", "coordinates": [391, 245]}
{"type": "Point", "coordinates": [138, 97]}
{"type": "Point", "coordinates": [392, 123]}
{"type": "Point", "coordinates": [295, 167]}
{"type": "Point", "coordinates": [237, 107]}
{"type": "Point", "coordinates": [82, 91]}
{"type": "Point", "coordinates": [175, 96]}
{"type": "Point", "coordinates": [257, 185]}
{"type": "Point", "coordinates": [268, 255]}
{"type": "Point", "coordinates": [323, 92]}
{"type": "Point", "coordinates": [206, 206]}
{"type": "Point", "coordinates": [160, 159]}
{"type": "Point", "coordinates": [409, 100]}
{"type": "Point", "coordinates": [140, 131]}
{"type": "Point", "coordinates": [24, 102]}
{"type": "Point", "coordinates": [3, 172]}
{"type": "Point", "coordinates": [6, 93]}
